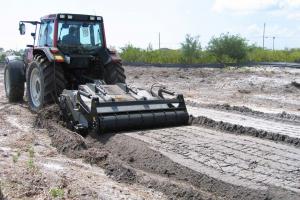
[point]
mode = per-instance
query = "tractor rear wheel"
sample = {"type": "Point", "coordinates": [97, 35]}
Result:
{"type": "Point", "coordinates": [114, 73]}
{"type": "Point", "coordinates": [45, 82]}
{"type": "Point", "coordinates": [14, 81]}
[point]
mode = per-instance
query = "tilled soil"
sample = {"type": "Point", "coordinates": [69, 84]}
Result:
{"type": "Point", "coordinates": [286, 131]}
{"type": "Point", "coordinates": [179, 163]}
{"type": "Point", "coordinates": [201, 161]}
{"type": "Point", "coordinates": [283, 116]}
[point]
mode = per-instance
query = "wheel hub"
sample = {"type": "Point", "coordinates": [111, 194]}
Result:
{"type": "Point", "coordinates": [35, 87]}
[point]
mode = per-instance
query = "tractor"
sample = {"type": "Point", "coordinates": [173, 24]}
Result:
{"type": "Point", "coordinates": [69, 64]}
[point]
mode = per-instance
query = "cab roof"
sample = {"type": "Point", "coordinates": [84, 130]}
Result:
{"type": "Point", "coordinates": [69, 16]}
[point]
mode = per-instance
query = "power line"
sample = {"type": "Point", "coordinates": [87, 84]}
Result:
{"type": "Point", "coordinates": [159, 40]}
{"type": "Point", "coordinates": [264, 35]}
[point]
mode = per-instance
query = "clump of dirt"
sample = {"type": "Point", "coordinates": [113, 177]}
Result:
{"type": "Point", "coordinates": [295, 84]}
{"type": "Point", "coordinates": [238, 129]}
{"type": "Point", "coordinates": [120, 172]}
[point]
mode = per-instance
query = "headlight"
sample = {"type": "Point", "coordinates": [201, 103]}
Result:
{"type": "Point", "coordinates": [62, 16]}
{"type": "Point", "coordinates": [92, 17]}
{"type": "Point", "coordinates": [70, 17]}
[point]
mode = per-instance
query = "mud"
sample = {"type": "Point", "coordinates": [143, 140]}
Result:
{"type": "Point", "coordinates": [124, 159]}
{"type": "Point", "coordinates": [238, 129]}
{"type": "Point", "coordinates": [129, 161]}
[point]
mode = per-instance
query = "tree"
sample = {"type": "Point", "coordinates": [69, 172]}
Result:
{"type": "Point", "coordinates": [228, 47]}
{"type": "Point", "coordinates": [190, 48]}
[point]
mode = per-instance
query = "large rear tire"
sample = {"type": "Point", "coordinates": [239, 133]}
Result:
{"type": "Point", "coordinates": [14, 81]}
{"type": "Point", "coordinates": [45, 82]}
{"type": "Point", "coordinates": [114, 73]}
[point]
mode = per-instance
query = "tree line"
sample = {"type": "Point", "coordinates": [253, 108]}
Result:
{"type": "Point", "coordinates": [225, 48]}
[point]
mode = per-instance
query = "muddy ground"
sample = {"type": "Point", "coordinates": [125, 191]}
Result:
{"type": "Point", "coordinates": [243, 143]}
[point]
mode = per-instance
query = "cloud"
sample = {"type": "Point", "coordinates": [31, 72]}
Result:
{"type": "Point", "coordinates": [245, 6]}
{"type": "Point", "coordinates": [252, 6]}
{"type": "Point", "coordinates": [294, 16]}
{"type": "Point", "coordinates": [256, 30]}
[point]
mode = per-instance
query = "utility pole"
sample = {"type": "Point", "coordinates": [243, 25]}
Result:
{"type": "Point", "coordinates": [264, 36]}
{"type": "Point", "coordinates": [159, 40]}
{"type": "Point", "coordinates": [273, 42]}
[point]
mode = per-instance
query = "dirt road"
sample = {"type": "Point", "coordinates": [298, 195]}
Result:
{"type": "Point", "coordinates": [261, 88]}
{"type": "Point", "coordinates": [42, 159]}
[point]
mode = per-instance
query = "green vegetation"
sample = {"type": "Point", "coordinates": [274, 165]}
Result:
{"type": "Point", "coordinates": [190, 49]}
{"type": "Point", "coordinates": [30, 162]}
{"type": "Point", "coordinates": [223, 49]}
{"type": "Point", "coordinates": [56, 193]}
{"type": "Point", "coordinates": [228, 48]}
{"type": "Point", "coordinates": [16, 157]}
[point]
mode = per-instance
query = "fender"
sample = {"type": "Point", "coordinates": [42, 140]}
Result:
{"type": "Point", "coordinates": [115, 57]}
{"type": "Point", "coordinates": [44, 51]}
{"type": "Point", "coordinates": [12, 58]}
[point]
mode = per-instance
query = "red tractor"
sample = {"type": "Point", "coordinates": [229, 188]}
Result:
{"type": "Point", "coordinates": [70, 64]}
{"type": "Point", "coordinates": [70, 51]}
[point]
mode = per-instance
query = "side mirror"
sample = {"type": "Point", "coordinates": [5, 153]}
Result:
{"type": "Point", "coordinates": [22, 28]}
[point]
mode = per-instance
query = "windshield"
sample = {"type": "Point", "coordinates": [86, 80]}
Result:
{"type": "Point", "coordinates": [78, 34]}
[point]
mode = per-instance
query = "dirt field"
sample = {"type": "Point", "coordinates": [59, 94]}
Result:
{"type": "Point", "coordinates": [243, 143]}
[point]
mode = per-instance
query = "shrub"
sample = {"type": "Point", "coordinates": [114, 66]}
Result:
{"type": "Point", "coordinates": [228, 48]}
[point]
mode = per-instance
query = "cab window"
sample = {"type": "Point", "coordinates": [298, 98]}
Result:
{"type": "Point", "coordinates": [46, 34]}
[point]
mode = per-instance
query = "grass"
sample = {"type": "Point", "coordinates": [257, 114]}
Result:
{"type": "Point", "coordinates": [16, 157]}
{"type": "Point", "coordinates": [30, 162]}
{"type": "Point", "coordinates": [31, 152]}
{"type": "Point", "coordinates": [56, 192]}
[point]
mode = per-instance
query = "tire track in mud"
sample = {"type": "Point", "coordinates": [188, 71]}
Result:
{"type": "Point", "coordinates": [244, 161]}
{"type": "Point", "coordinates": [242, 124]}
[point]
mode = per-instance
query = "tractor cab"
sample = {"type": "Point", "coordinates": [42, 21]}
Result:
{"type": "Point", "coordinates": [71, 34]}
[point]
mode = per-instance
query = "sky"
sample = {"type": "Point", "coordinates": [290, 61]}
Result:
{"type": "Point", "coordinates": [138, 22]}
